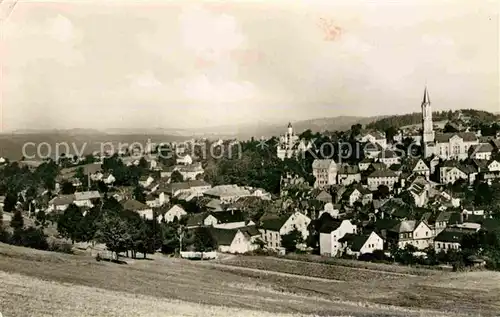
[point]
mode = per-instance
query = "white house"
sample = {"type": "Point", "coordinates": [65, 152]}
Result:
{"type": "Point", "coordinates": [236, 240]}
{"type": "Point", "coordinates": [451, 171]}
{"type": "Point", "coordinates": [227, 193]}
{"type": "Point", "coordinates": [373, 137]}
{"type": "Point", "coordinates": [382, 177]}
{"type": "Point", "coordinates": [420, 168]}
{"type": "Point", "coordinates": [184, 160]}
{"type": "Point", "coordinates": [145, 181]}
{"type": "Point", "coordinates": [60, 203]}
{"type": "Point", "coordinates": [348, 175]}
{"type": "Point", "coordinates": [325, 172]}
{"type": "Point", "coordinates": [230, 219]}
{"type": "Point", "coordinates": [449, 239]}
{"type": "Point", "coordinates": [176, 212]}
{"type": "Point", "coordinates": [411, 232]}
{"type": "Point", "coordinates": [481, 151]}
{"type": "Point", "coordinates": [84, 199]}
{"type": "Point", "coordinates": [273, 228]}
{"type": "Point", "coordinates": [330, 234]}
{"type": "Point", "coordinates": [389, 157]}
{"type": "Point", "coordinates": [355, 244]}
{"type": "Point", "coordinates": [357, 193]}
{"type": "Point", "coordinates": [142, 209]}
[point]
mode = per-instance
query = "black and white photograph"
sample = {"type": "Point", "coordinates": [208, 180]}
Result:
{"type": "Point", "coordinates": [237, 158]}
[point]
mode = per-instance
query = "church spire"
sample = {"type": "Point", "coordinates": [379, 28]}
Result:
{"type": "Point", "coordinates": [426, 96]}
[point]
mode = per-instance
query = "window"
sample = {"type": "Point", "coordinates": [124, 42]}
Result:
{"type": "Point", "coordinates": [427, 233]}
{"type": "Point", "coordinates": [439, 245]}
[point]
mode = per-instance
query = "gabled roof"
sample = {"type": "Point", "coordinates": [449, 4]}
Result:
{"type": "Point", "coordinates": [387, 154]}
{"type": "Point", "coordinates": [481, 148]}
{"type": "Point", "coordinates": [405, 226]}
{"type": "Point", "coordinates": [133, 205]}
{"type": "Point", "coordinates": [323, 164]}
{"type": "Point", "coordinates": [274, 223]}
{"type": "Point", "coordinates": [229, 216]}
{"type": "Point", "coordinates": [227, 190]}
{"type": "Point", "coordinates": [450, 235]}
{"type": "Point", "coordinates": [62, 200]}
{"type": "Point", "coordinates": [373, 147]}
{"type": "Point", "coordinates": [252, 231]}
{"type": "Point", "coordinates": [466, 136]}
{"type": "Point", "coordinates": [348, 169]}
{"type": "Point", "coordinates": [87, 195]}
{"type": "Point", "coordinates": [383, 173]}
{"type": "Point", "coordinates": [327, 223]}
{"type": "Point", "coordinates": [223, 236]}
{"type": "Point", "coordinates": [444, 216]}
{"type": "Point", "coordinates": [355, 241]}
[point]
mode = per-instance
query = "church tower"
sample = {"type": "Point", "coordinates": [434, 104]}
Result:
{"type": "Point", "coordinates": [290, 129]}
{"type": "Point", "coordinates": [427, 126]}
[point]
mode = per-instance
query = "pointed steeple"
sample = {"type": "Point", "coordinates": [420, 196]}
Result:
{"type": "Point", "coordinates": [426, 96]}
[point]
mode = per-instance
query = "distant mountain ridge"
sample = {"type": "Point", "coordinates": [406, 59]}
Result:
{"type": "Point", "coordinates": [243, 131]}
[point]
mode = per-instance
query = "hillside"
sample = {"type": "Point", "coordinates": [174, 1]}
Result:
{"type": "Point", "coordinates": [414, 118]}
{"type": "Point", "coordinates": [54, 284]}
{"type": "Point", "coordinates": [88, 140]}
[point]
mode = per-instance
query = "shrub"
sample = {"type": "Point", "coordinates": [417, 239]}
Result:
{"type": "Point", "coordinates": [60, 246]}
{"type": "Point", "coordinates": [34, 238]}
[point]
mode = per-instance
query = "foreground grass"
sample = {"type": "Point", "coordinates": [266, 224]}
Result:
{"type": "Point", "coordinates": [32, 274]}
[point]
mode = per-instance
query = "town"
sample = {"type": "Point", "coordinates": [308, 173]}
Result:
{"type": "Point", "coordinates": [419, 189]}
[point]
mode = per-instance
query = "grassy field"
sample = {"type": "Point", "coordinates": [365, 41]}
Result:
{"type": "Point", "coordinates": [37, 283]}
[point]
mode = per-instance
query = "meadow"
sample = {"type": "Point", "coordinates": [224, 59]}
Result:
{"type": "Point", "coordinates": [39, 283]}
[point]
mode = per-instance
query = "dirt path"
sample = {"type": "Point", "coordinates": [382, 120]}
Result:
{"type": "Point", "coordinates": [350, 268]}
{"type": "Point", "coordinates": [267, 272]}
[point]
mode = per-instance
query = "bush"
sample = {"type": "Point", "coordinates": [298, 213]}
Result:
{"type": "Point", "coordinates": [61, 247]}
{"type": "Point", "coordinates": [34, 238]}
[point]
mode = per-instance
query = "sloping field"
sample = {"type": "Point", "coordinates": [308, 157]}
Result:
{"type": "Point", "coordinates": [37, 283]}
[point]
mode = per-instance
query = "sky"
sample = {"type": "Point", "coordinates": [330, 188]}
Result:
{"type": "Point", "coordinates": [188, 64]}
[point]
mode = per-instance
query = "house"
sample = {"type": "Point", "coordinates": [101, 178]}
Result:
{"type": "Point", "coordinates": [442, 220]}
{"type": "Point", "coordinates": [226, 219]}
{"type": "Point", "coordinates": [331, 209]}
{"type": "Point", "coordinates": [382, 177]}
{"type": "Point", "coordinates": [321, 195]}
{"type": "Point", "coordinates": [85, 199]}
{"type": "Point", "coordinates": [376, 137]}
{"type": "Point", "coordinates": [449, 239]}
{"type": "Point", "coordinates": [174, 214]}
{"type": "Point", "coordinates": [191, 171]}
{"type": "Point", "coordinates": [454, 145]}
{"type": "Point", "coordinates": [372, 150]}
{"type": "Point", "coordinates": [356, 244]}
{"type": "Point", "coordinates": [348, 174]}
{"type": "Point", "coordinates": [239, 241]}
{"type": "Point", "coordinates": [411, 232]}
{"type": "Point", "coordinates": [451, 171]}
{"type": "Point", "coordinates": [325, 172]}
{"type": "Point", "coordinates": [60, 203]}
{"type": "Point", "coordinates": [184, 160]}
{"type": "Point", "coordinates": [481, 151]}
{"type": "Point", "coordinates": [331, 231]}
{"type": "Point", "coordinates": [389, 157]}
{"type": "Point", "coordinates": [419, 193]}
{"type": "Point", "coordinates": [227, 193]}
{"type": "Point", "coordinates": [108, 179]}
{"type": "Point", "coordinates": [142, 209]}
{"type": "Point", "coordinates": [146, 180]}
{"type": "Point", "coordinates": [197, 187]}
{"type": "Point", "coordinates": [357, 193]}
{"type": "Point", "coordinates": [272, 229]}
{"type": "Point", "coordinates": [365, 164]}
{"type": "Point", "coordinates": [419, 167]}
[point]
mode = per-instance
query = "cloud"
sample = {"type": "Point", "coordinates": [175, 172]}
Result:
{"type": "Point", "coordinates": [209, 34]}
{"type": "Point", "coordinates": [146, 80]}
{"type": "Point", "coordinates": [202, 89]}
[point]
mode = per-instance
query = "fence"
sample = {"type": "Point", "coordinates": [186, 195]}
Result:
{"type": "Point", "coordinates": [199, 255]}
